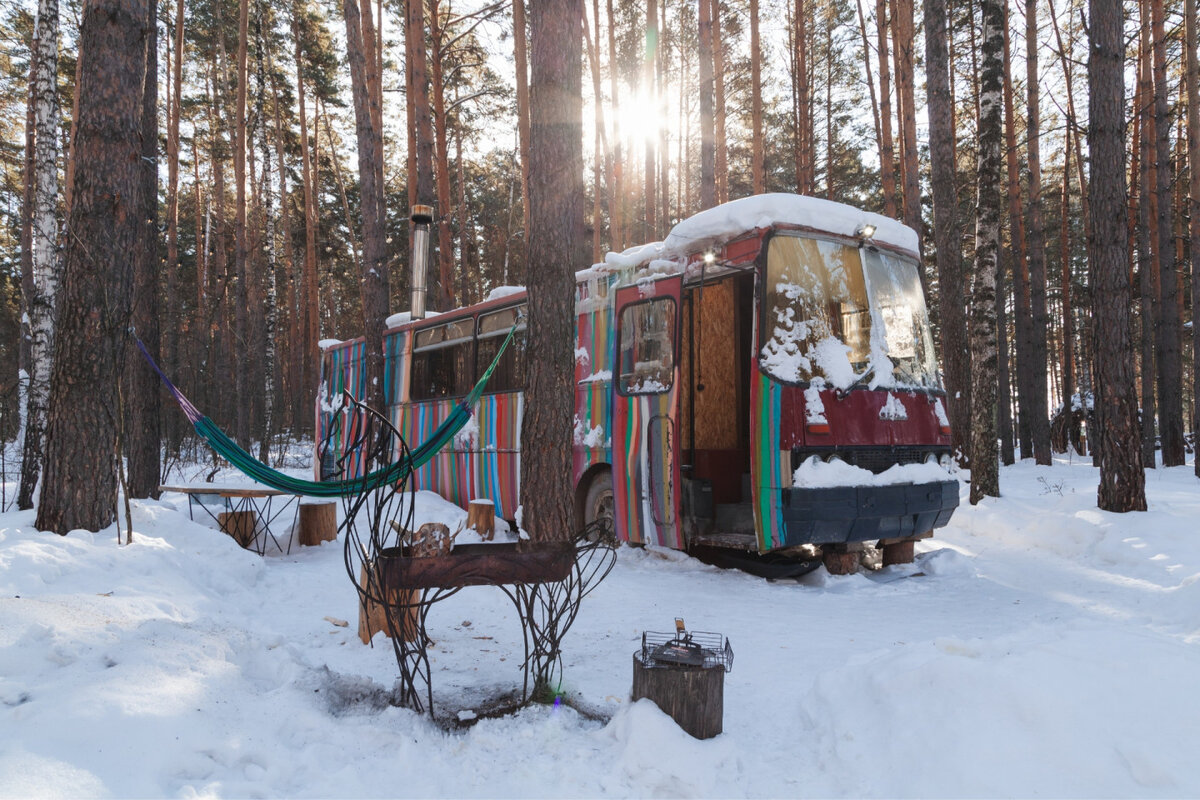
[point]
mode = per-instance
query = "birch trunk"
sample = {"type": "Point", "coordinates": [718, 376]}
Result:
{"type": "Point", "coordinates": [40, 305]}
{"type": "Point", "coordinates": [985, 477]}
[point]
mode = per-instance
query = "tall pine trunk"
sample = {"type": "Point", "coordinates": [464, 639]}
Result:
{"type": "Point", "coordinates": [1192, 72]}
{"type": "Point", "coordinates": [1122, 479]}
{"type": "Point", "coordinates": [887, 152]}
{"type": "Point", "coordinates": [97, 275]}
{"type": "Point", "coordinates": [240, 366]}
{"type": "Point", "coordinates": [947, 230]}
{"type": "Point", "coordinates": [708, 187]}
{"type": "Point", "coordinates": [758, 176]}
{"type": "Point", "coordinates": [1039, 423]}
{"type": "Point", "coordinates": [557, 245]}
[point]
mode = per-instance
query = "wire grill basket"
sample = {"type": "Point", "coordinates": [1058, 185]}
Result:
{"type": "Point", "coordinates": [684, 648]}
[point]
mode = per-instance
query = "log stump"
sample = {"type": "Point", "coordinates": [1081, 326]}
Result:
{"type": "Point", "coordinates": [898, 552]}
{"type": "Point", "coordinates": [692, 696]}
{"type": "Point", "coordinates": [372, 616]}
{"type": "Point", "coordinates": [241, 525]}
{"type": "Point", "coordinates": [318, 523]}
{"type": "Point", "coordinates": [481, 515]}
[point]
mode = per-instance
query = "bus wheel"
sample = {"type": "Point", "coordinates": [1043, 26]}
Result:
{"type": "Point", "coordinates": [599, 502]}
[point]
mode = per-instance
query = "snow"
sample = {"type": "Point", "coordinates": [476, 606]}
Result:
{"type": "Point", "coordinates": [893, 409]}
{"type": "Point", "coordinates": [503, 291]}
{"type": "Point", "coordinates": [325, 344]}
{"type": "Point", "coordinates": [405, 317]}
{"type": "Point", "coordinates": [716, 225]}
{"type": "Point", "coordinates": [814, 473]}
{"type": "Point", "coordinates": [1038, 647]}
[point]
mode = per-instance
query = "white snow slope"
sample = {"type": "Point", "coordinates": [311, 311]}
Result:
{"type": "Point", "coordinates": [1048, 649]}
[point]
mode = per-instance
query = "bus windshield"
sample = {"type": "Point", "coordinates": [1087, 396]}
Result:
{"type": "Point", "coordinates": [843, 315]}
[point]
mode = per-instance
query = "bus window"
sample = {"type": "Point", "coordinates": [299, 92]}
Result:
{"type": "Point", "coordinates": [510, 372]}
{"type": "Point", "coordinates": [648, 347]}
{"type": "Point", "coordinates": [442, 361]}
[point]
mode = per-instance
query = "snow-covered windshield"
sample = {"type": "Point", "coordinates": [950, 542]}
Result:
{"type": "Point", "coordinates": [845, 314]}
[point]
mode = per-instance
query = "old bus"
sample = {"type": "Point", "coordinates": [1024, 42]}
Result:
{"type": "Point", "coordinates": [760, 385]}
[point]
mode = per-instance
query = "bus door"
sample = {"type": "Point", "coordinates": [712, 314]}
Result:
{"type": "Point", "coordinates": [645, 413]}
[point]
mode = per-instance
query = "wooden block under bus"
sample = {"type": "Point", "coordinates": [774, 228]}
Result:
{"type": "Point", "coordinates": [241, 525]}
{"type": "Point", "coordinates": [318, 523]}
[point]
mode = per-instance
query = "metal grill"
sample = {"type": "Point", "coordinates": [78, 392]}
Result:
{"type": "Point", "coordinates": [686, 648]}
{"type": "Point", "coordinates": [875, 459]}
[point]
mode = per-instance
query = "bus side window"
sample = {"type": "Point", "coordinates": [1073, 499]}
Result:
{"type": "Point", "coordinates": [647, 347]}
{"type": "Point", "coordinates": [442, 361]}
{"type": "Point", "coordinates": [509, 375]}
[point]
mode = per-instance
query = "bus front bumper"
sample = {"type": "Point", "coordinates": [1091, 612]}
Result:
{"type": "Point", "coordinates": [865, 513]}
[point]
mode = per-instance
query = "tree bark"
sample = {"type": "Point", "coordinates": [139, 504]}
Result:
{"type": "Point", "coordinates": [419, 71]}
{"type": "Point", "coordinates": [1039, 423]}
{"type": "Point", "coordinates": [557, 244]}
{"type": "Point", "coordinates": [174, 321]}
{"type": "Point", "coordinates": [373, 283]}
{"type": "Point", "coordinates": [1192, 73]}
{"type": "Point", "coordinates": [757, 173]}
{"type": "Point", "coordinates": [804, 132]}
{"type": "Point", "coordinates": [142, 399]}
{"type": "Point", "coordinates": [1148, 286]}
{"type": "Point", "coordinates": [1069, 387]}
{"type": "Point", "coordinates": [522, 69]}
{"type": "Point", "coordinates": [241, 244]}
{"type": "Point", "coordinates": [1122, 479]}
{"type": "Point", "coordinates": [947, 230]}
{"type": "Point", "coordinates": [887, 153]}
{"type": "Point", "coordinates": [442, 161]}
{"type": "Point", "coordinates": [708, 186]}
{"type": "Point", "coordinates": [40, 305]}
{"type": "Point", "coordinates": [903, 34]}
{"type": "Point", "coordinates": [97, 275]}
{"type": "Point", "coordinates": [1170, 359]}
{"type": "Point", "coordinates": [720, 107]}
{"type": "Point", "coordinates": [309, 291]}
{"type": "Point", "coordinates": [985, 476]}
{"type": "Point", "coordinates": [650, 198]}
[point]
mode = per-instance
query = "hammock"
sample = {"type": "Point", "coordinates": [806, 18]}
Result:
{"type": "Point", "coordinates": [264, 474]}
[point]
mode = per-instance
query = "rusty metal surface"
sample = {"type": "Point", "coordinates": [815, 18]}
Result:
{"type": "Point", "coordinates": [477, 565]}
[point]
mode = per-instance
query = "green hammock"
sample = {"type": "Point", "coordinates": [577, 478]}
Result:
{"type": "Point", "coordinates": [264, 474]}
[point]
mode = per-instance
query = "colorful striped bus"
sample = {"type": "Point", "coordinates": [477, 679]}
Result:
{"type": "Point", "coordinates": [761, 385]}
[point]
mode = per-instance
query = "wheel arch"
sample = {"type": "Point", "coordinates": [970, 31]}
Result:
{"type": "Point", "coordinates": [581, 489]}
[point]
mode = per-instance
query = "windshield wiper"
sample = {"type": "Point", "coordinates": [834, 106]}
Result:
{"type": "Point", "coordinates": [861, 380]}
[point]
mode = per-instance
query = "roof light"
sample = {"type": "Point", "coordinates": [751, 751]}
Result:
{"type": "Point", "coordinates": [709, 257]}
{"type": "Point", "coordinates": [865, 231]}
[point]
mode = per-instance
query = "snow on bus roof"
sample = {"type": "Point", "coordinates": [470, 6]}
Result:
{"type": "Point", "coordinates": [325, 344]}
{"type": "Point", "coordinates": [402, 317]}
{"type": "Point", "coordinates": [716, 224]}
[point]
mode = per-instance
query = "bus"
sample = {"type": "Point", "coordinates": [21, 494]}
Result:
{"type": "Point", "coordinates": [759, 388]}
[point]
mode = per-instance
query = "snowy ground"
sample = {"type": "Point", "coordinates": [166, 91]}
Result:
{"type": "Point", "coordinates": [1048, 649]}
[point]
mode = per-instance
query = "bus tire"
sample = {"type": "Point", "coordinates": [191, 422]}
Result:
{"type": "Point", "coordinates": [598, 503]}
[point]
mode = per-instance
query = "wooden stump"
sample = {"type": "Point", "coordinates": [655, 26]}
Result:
{"type": "Point", "coordinates": [241, 525]}
{"type": "Point", "coordinates": [372, 617]}
{"type": "Point", "coordinates": [840, 561]}
{"type": "Point", "coordinates": [318, 523]}
{"type": "Point", "coordinates": [692, 696]}
{"type": "Point", "coordinates": [481, 515]}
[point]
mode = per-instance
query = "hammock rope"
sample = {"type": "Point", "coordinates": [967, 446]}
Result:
{"type": "Point", "coordinates": [265, 474]}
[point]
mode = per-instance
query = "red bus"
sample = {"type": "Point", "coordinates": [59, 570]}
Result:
{"type": "Point", "coordinates": [761, 383]}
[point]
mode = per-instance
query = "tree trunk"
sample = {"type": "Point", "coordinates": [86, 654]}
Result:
{"type": "Point", "coordinates": [97, 275]}
{"type": "Point", "coordinates": [309, 292]}
{"type": "Point", "coordinates": [1192, 72]}
{"type": "Point", "coordinates": [174, 320]}
{"type": "Point", "coordinates": [947, 230]}
{"type": "Point", "coordinates": [1069, 387]}
{"type": "Point", "coordinates": [442, 164]}
{"type": "Point", "coordinates": [1004, 405]}
{"type": "Point", "coordinates": [1170, 360]}
{"type": "Point", "coordinates": [557, 244]}
{"type": "Point", "coordinates": [1020, 268]}
{"type": "Point", "coordinates": [374, 277]}
{"type": "Point", "coordinates": [1122, 479]}
{"type": "Point", "coordinates": [803, 121]}
{"type": "Point", "coordinates": [1144, 182]}
{"type": "Point", "coordinates": [270, 318]}
{"type": "Point", "coordinates": [757, 173]}
{"type": "Point", "coordinates": [40, 306]}
{"type": "Point", "coordinates": [1039, 423]}
{"type": "Point", "coordinates": [708, 186]}
{"type": "Point", "coordinates": [241, 245]}
{"type": "Point", "coordinates": [142, 398]}
{"type": "Point", "coordinates": [418, 64]}
{"type": "Point", "coordinates": [29, 181]}
{"type": "Point", "coordinates": [887, 153]}
{"type": "Point", "coordinates": [902, 32]}
{"type": "Point", "coordinates": [650, 200]}
{"type": "Point", "coordinates": [985, 477]}
{"type": "Point", "coordinates": [522, 69]}
{"type": "Point", "coordinates": [617, 211]}
{"type": "Point", "coordinates": [720, 111]}
{"type": "Point", "coordinates": [869, 73]}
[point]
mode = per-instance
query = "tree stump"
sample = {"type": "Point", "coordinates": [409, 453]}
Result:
{"type": "Point", "coordinates": [372, 616]}
{"type": "Point", "coordinates": [241, 525]}
{"type": "Point", "coordinates": [481, 515]}
{"type": "Point", "coordinates": [318, 523]}
{"type": "Point", "coordinates": [692, 696]}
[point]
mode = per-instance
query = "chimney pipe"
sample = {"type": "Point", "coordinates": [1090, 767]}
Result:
{"type": "Point", "coordinates": [422, 219]}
